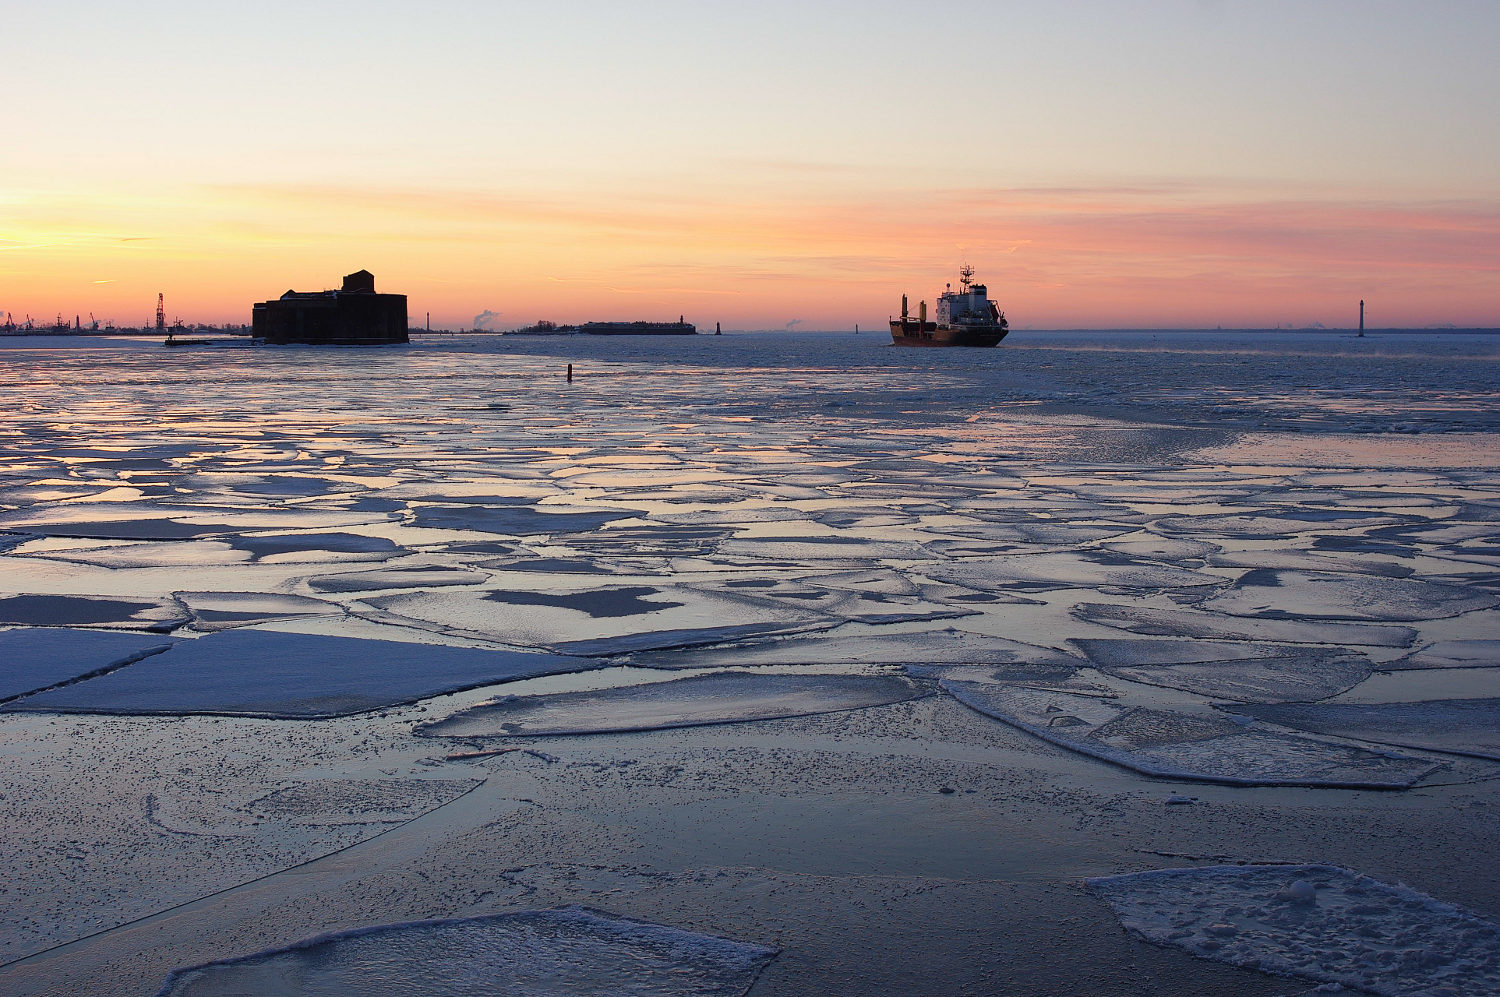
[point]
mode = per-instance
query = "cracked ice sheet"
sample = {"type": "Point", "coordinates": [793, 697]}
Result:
{"type": "Point", "coordinates": [937, 647]}
{"type": "Point", "coordinates": [265, 673]}
{"type": "Point", "coordinates": [167, 812]}
{"type": "Point", "coordinates": [1198, 623]}
{"type": "Point", "coordinates": [867, 598]}
{"type": "Point", "coordinates": [1479, 653]}
{"type": "Point", "coordinates": [1277, 594]}
{"type": "Point", "coordinates": [1186, 746]}
{"type": "Point", "coordinates": [696, 701]}
{"type": "Point", "coordinates": [1243, 672]}
{"type": "Point", "coordinates": [414, 576]}
{"type": "Point", "coordinates": [599, 619]}
{"type": "Point", "coordinates": [1314, 922]}
{"type": "Point", "coordinates": [550, 953]}
{"type": "Point", "coordinates": [33, 659]}
{"type": "Point", "coordinates": [1454, 726]}
{"type": "Point", "coordinates": [1086, 569]}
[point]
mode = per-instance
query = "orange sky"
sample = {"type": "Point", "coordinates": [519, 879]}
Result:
{"type": "Point", "coordinates": [1180, 164]}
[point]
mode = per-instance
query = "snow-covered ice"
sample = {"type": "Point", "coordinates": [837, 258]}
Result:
{"type": "Point", "coordinates": [1314, 922]}
{"type": "Point", "coordinates": [1459, 726]}
{"type": "Point", "coordinates": [1224, 670]}
{"type": "Point", "coordinates": [1474, 653]}
{"type": "Point", "coordinates": [716, 698]}
{"type": "Point", "coordinates": [852, 644]}
{"type": "Point", "coordinates": [1219, 626]}
{"type": "Point", "coordinates": [1301, 595]}
{"type": "Point", "coordinates": [548, 953]}
{"type": "Point", "coordinates": [223, 610]}
{"type": "Point", "coordinates": [1186, 746]}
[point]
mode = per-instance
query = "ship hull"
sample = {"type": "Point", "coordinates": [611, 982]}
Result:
{"type": "Point", "coordinates": [912, 332]}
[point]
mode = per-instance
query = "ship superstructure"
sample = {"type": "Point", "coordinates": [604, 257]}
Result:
{"type": "Point", "coordinates": [966, 317]}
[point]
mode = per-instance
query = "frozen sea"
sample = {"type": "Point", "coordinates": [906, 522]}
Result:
{"type": "Point", "coordinates": [771, 664]}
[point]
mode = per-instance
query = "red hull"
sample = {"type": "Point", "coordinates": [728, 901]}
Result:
{"type": "Point", "coordinates": [911, 332]}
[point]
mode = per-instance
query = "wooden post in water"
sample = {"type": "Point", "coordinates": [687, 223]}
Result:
{"type": "Point", "coordinates": [570, 373]}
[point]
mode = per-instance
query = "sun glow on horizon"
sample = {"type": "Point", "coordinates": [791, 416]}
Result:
{"type": "Point", "coordinates": [734, 170]}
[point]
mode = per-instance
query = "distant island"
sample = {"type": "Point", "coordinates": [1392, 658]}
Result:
{"type": "Point", "coordinates": [545, 328]}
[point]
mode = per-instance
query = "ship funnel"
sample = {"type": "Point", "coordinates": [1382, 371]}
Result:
{"type": "Point", "coordinates": [922, 313]}
{"type": "Point", "coordinates": [904, 311]}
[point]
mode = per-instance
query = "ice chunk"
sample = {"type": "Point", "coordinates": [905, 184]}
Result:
{"type": "Point", "coordinates": [126, 529]}
{"type": "Point", "coordinates": [34, 659]}
{"type": "Point", "coordinates": [838, 547]}
{"type": "Point", "coordinates": [1273, 524]}
{"type": "Point", "coordinates": [513, 521]}
{"type": "Point", "coordinates": [90, 611]}
{"type": "Point", "coordinates": [1185, 746]}
{"type": "Point", "coordinates": [436, 576]}
{"type": "Point", "coordinates": [662, 640]}
{"type": "Point", "coordinates": [932, 647]}
{"type": "Point", "coordinates": [1456, 726]}
{"type": "Point", "coordinates": [1072, 569]}
{"type": "Point", "coordinates": [283, 546]}
{"type": "Point", "coordinates": [719, 698]}
{"type": "Point", "coordinates": [1281, 594]}
{"type": "Point", "coordinates": [1319, 923]}
{"type": "Point", "coordinates": [583, 610]}
{"type": "Point", "coordinates": [865, 597]}
{"type": "Point", "coordinates": [1244, 672]}
{"type": "Point", "coordinates": [262, 673]}
{"type": "Point", "coordinates": [1361, 563]}
{"type": "Point", "coordinates": [222, 610]}
{"type": "Point", "coordinates": [653, 540]}
{"type": "Point", "coordinates": [570, 952]}
{"type": "Point", "coordinates": [1197, 623]}
{"type": "Point", "coordinates": [1482, 653]}
{"type": "Point", "coordinates": [260, 484]}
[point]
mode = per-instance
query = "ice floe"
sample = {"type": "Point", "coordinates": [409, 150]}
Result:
{"type": "Point", "coordinates": [263, 673]}
{"type": "Point", "coordinates": [155, 615]}
{"type": "Point", "coordinates": [699, 700]}
{"type": "Point", "coordinates": [1227, 670]}
{"type": "Point", "coordinates": [579, 612]}
{"type": "Point", "coordinates": [1219, 626]}
{"type": "Point", "coordinates": [316, 546]}
{"type": "Point", "coordinates": [1073, 569]}
{"type": "Point", "coordinates": [1477, 653]}
{"type": "Point", "coordinates": [413, 577]}
{"type": "Point", "coordinates": [1274, 593]}
{"type": "Point", "coordinates": [515, 521]}
{"type": "Point", "coordinates": [223, 610]}
{"type": "Point", "coordinates": [1186, 746]}
{"type": "Point", "coordinates": [571, 952]}
{"type": "Point", "coordinates": [869, 646]}
{"type": "Point", "coordinates": [36, 658]}
{"type": "Point", "coordinates": [1455, 726]}
{"type": "Point", "coordinates": [1314, 922]}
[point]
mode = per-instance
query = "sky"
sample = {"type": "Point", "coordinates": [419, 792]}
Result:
{"type": "Point", "coordinates": [767, 165]}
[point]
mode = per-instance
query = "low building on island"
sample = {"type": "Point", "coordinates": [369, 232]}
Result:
{"type": "Point", "coordinates": [354, 315]}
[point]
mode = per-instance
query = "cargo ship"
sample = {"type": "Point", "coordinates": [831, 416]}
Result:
{"type": "Point", "coordinates": [966, 317]}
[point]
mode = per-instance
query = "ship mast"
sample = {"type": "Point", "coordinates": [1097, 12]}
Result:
{"type": "Point", "coordinates": [966, 276]}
